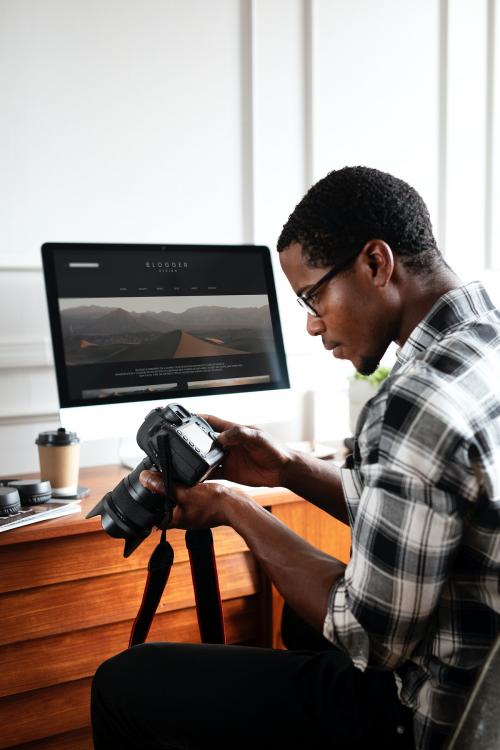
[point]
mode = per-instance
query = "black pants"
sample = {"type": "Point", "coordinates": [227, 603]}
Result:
{"type": "Point", "coordinates": [167, 695]}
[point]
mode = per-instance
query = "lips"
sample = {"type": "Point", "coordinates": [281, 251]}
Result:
{"type": "Point", "coordinates": [330, 346]}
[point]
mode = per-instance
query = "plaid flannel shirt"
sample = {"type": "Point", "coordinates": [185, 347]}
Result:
{"type": "Point", "coordinates": [420, 595]}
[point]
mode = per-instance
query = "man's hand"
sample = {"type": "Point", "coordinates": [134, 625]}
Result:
{"type": "Point", "coordinates": [303, 575]}
{"type": "Point", "coordinates": [252, 458]}
{"type": "Point", "coordinates": [199, 507]}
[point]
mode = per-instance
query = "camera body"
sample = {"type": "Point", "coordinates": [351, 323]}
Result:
{"type": "Point", "coordinates": [192, 448]}
{"type": "Point", "coordinates": [179, 444]}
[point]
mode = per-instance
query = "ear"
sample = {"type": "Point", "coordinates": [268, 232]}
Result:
{"type": "Point", "coordinates": [378, 261]}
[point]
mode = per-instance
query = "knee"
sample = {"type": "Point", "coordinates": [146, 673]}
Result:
{"type": "Point", "coordinates": [127, 673]}
{"type": "Point", "coordinates": [114, 671]}
{"type": "Point", "coordinates": [106, 678]}
{"type": "Point", "coordinates": [110, 706]}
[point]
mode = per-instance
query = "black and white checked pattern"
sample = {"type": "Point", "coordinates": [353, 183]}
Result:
{"type": "Point", "coordinates": [421, 592]}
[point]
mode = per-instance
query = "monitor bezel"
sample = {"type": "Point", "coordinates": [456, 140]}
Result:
{"type": "Point", "coordinates": [48, 250]}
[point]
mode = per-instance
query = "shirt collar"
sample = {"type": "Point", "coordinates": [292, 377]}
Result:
{"type": "Point", "coordinates": [453, 309]}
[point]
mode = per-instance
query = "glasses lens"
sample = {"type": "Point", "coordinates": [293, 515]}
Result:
{"type": "Point", "coordinates": [306, 305]}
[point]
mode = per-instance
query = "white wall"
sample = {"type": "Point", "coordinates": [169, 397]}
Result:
{"type": "Point", "coordinates": [169, 121]}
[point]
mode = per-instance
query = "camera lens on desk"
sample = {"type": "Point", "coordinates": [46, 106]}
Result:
{"type": "Point", "coordinates": [32, 492]}
{"type": "Point", "coordinates": [10, 503]}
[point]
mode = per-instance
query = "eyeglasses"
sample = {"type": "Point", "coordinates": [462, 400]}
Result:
{"type": "Point", "coordinates": [306, 300]}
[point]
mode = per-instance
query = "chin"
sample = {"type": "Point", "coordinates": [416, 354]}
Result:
{"type": "Point", "coordinates": [367, 365]}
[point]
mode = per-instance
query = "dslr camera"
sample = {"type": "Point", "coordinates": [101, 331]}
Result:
{"type": "Point", "coordinates": [183, 448]}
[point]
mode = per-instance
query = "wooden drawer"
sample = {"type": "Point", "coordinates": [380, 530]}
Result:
{"type": "Point", "coordinates": [40, 663]}
{"type": "Point", "coordinates": [90, 555]}
{"type": "Point", "coordinates": [68, 599]}
{"type": "Point", "coordinates": [54, 635]}
{"type": "Point", "coordinates": [64, 607]}
{"type": "Point", "coordinates": [45, 683]}
{"type": "Point", "coordinates": [81, 739]}
{"type": "Point", "coordinates": [41, 713]}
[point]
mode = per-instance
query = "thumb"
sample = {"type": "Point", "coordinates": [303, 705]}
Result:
{"type": "Point", "coordinates": [152, 481]}
{"type": "Point", "coordinates": [236, 435]}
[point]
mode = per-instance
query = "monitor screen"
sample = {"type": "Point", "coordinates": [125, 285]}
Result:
{"type": "Point", "coordinates": [149, 322]}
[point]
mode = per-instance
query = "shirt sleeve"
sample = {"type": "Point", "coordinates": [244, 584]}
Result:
{"type": "Point", "coordinates": [407, 530]}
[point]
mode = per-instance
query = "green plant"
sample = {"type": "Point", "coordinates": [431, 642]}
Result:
{"type": "Point", "coordinates": [375, 378]}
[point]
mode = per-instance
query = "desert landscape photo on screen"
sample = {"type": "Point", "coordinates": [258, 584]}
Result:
{"type": "Point", "coordinates": [132, 329]}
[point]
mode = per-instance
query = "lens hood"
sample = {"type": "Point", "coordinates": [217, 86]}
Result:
{"type": "Point", "coordinates": [130, 511]}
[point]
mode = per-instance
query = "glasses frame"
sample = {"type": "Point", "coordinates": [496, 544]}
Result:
{"type": "Point", "coordinates": [304, 300]}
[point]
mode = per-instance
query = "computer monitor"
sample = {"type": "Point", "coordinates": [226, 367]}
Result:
{"type": "Point", "coordinates": [138, 326]}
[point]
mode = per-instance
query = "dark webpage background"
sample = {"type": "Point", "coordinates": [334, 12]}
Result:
{"type": "Point", "coordinates": [147, 272]}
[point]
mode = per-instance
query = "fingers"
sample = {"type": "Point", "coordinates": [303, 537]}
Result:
{"type": "Point", "coordinates": [237, 435]}
{"type": "Point", "coordinates": [231, 433]}
{"type": "Point", "coordinates": [198, 506]}
{"type": "Point", "coordinates": [152, 481]}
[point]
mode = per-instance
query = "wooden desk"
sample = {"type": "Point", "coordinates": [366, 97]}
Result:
{"type": "Point", "coordinates": [68, 599]}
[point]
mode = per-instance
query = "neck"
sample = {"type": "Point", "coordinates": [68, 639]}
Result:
{"type": "Point", "coordinates": [419, 297]}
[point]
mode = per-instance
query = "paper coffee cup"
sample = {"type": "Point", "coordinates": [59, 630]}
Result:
{"type": "Point", "coordinates": [59, 455]}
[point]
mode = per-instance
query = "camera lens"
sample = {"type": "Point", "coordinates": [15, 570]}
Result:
{"type": "Point", "coordinates": [130, 511]}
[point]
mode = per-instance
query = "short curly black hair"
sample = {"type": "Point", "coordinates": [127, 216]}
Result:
{"type": "Point", "coordinates": [350, 206]}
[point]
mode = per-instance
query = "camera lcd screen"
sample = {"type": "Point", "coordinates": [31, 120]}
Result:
{"type": "Point", "coordinates": [198, 437]}
{"type": "Point", "coordinates": [139, 322]}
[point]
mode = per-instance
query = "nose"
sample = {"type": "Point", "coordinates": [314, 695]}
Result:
{"type": "Point", "coordinates": [314, 326]}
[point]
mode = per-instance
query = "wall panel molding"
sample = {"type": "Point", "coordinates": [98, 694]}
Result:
{"type": "Point", "coordinates": [493, 137]}
{"type": "Point", "coordinates": [7, 420]}
{"type": "Point", "coordinates": [308, 73]}
{"type": "Point", "coordinates": [442, 125]}
{"type": "Point", "coordinates": [242, 111]}
{"type": "Point", "coordinates": [23, 352]}
{"type": "Point", "coordinates": [247, 55]}
{"type": "Point", "coordinates": [8, 263]}
{"type": "Point", "coordinates": [466, 135]}
{"type": "Point", "coordinates": [490, 62]}
{"type": "Point", "coordinates": [376, 89]}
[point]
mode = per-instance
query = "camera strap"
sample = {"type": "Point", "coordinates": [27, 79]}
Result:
{"type": "Point", "coordinates": [159, 566]}
{"type": "Point", "coordinates": [200, 546]}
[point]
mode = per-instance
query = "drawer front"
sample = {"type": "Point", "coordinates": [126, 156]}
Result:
{"type": "Point", "coordinates": [89, 555]}
{"type": "Point", "coordinates": [64, 607]}
{"type": "Point", "coordinates": [45, 712]}
{"type": "Point", "coordinates": [40, 663]}
{"type": "Point", "coordinates": [45, 683]}
{"type": "Point", "coordinates": [80, 739]}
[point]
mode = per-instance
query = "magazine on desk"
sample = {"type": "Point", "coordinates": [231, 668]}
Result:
{"type": "Point", "coordinates": [42, 512]}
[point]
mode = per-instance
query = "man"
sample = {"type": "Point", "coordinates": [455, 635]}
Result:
{"type": "Point", "coordinates": [416, 609]}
